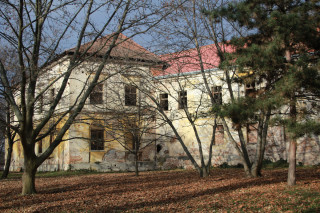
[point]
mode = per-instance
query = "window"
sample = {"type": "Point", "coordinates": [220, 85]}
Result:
{"type": "Point", "coordinates": [217, 94]}
{"type": "Point", "coordinates": [51, 98]}
{"type": "Point", "coordinates": [40, 103]}
{"type": "Point", "coordinates": [128, 138]}
{"type": "Point", "coordinates": [52, 135]}
{"type": "Point", "coordinates": [97, 139]}
{"type": "Point", "coordinates": [96, 95]}
{"type": "Point", "coordinates": [164, 104]}
{"type": "Point", "coordinates": [219, 135]}
{"type": "Point", "coordinates": [252, 133]}
{"type": "Point", "coordinates": [40, 146]}
{"type": "Point", "coordinates": [130, 95]}
{"type": "Point", "coordinates": [251, 90]}
{"type": "Point", "coordinates": [183, 101]}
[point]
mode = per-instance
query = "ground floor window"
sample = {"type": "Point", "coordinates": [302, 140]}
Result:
{"type": "Point", "coordinates": [97, 139]}
{"type": "Point", "coordinates": [40, 146]}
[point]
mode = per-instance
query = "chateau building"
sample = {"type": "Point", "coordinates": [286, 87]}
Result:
{"type": "Point", "coordinates": [121, 121]}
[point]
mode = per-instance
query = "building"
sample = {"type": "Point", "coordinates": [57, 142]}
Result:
{"type": "Point", "coordinates": [122, 110]}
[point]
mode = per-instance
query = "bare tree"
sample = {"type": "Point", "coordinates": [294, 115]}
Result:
{"type": "Point", "coordinates": [127, 117]}
{"type": "Point", "coordinates": [194, 29]}
{"type": "Point", "coordinates": [37, 30]}
{"type": "Point", "coordinates": [8, 57]}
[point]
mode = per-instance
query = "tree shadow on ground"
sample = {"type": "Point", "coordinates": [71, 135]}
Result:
{"type": "Point", "coordinates": [114, 192]}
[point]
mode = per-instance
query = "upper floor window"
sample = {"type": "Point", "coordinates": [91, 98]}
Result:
{"type": "Point", "coordinates": [164, 104]}
{"type": "Point", "coordinates": [52, 94]}
{"type": "Point", "coordinates": [182, 99]}
{"type": "Point", "coordinates": [52, 135]}
{"type": "Point", "coordinates": [97, 94]}
{"type": "Point", "coordinates": [97, 139]}
{"type": "Point", "coordinates": [130, 95]}
{"type": "Point", "coordinates": [250, 90]}
{"type": "Point", "coordinates": [40, 103]}
{"type": "Point", "coordinates": [217, 94]}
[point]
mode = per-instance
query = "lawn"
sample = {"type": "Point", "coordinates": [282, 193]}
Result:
{"type": "Point", "coordinates": [226, 190]}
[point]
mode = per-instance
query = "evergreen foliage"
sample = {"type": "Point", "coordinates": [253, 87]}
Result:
{"type": "Point", "coordinates": [281, 53]}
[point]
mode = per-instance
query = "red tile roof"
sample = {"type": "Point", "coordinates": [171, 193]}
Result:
{"type": "Point", "coordinates": [188, 60]}
{"type": "Point", "coordinates": [125, 48]}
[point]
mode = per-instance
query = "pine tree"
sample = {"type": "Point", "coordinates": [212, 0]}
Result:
{"type": "Point", "coordinates": [281, 52]}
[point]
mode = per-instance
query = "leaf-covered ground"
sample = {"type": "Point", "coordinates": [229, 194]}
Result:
{"type": "Point", "coordinates": [226, 190]}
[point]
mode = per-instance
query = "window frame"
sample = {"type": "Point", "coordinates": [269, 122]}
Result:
{"type": "Point", "coordinates": [41, 104]}
{"type": "Point", "coordinates": [164, 101]}
{"type": "Point", "coordinates": [52, 94]}
{"type": "Point", "coordinates": [130, 95]}
{"type": "Point", "coordinates": [96, 96]}
{"type": "Point", "coordinates": [40, 147]}
{"type": "Point", "coordinates": [217, 94]}
{"type": "Point", "coordinates": [182, 99]}
{"type": "Point", "coordinates": [250, 89]}
{"type": "Point", "coordinates": [101, 147]}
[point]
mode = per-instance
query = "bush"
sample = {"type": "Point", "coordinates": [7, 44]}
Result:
{"type": "Point", "coordinates": [278, 164]}
{"type": "Point", "coordinates": [225, 165]}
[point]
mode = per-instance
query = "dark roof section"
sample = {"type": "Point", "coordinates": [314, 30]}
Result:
{"type": "Point", "coordinates": [125, 48]}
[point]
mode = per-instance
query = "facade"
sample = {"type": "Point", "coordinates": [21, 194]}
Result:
{"type": "Point", "coordinates": [122, 110]}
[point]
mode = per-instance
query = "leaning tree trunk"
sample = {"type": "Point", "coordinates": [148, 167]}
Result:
{"type": "Point", "coordinates": [261, 146]}
{"type": "Point", "coordinates": [8, 161]}
{"type": "Point", "coordinates": [10, 139]}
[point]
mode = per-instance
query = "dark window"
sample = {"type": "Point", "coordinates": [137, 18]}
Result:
{"type": "Point", "coordinates": [51, 98]}
{"type": "Point", "coordinates": [219, 135]}
{"type": "Point", "coordinates": [40, 146]}
{"type": "Point", "coordinates": [52, 137]}
{"type": "Point", "coordinates": [130, 95]}
{"type": "Point", "coordinates": [217, 94]}
{"type": "Point", "coordinates": [183, 101]}
{"type": "Point", "coordinates": [96, 95]}
{"type": "Point", "coordinates": [164, 101]}
{"type": "Point", "coordinates": [97, 139]}
{"type": "Point", "coordinates": [251, 90]}
{"type": "Point", "coordinates": [128, 137]}
{"type": "Point", "coordinates": [41, 104]}
{"type": "Point", "coordinates": [159, 147]}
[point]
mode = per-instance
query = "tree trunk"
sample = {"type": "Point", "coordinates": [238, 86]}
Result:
{"type": "Point", "coordinates": [28, 177]}
{"type": "Point", "coordinates": [10, 139]}
{"type": "Point", "coordinates": [136, 166]}
{"type": "Point", "coordinates": [292, 146]}
{"type": "Point", "coordinates": [247, 169]}
{"type": "Point", "coordinates": [292, 163]}
{"type": "Point", "coordinates": [203, 172]}
{"type": "Point", "coordinates": [8, 161]}
{"type": "Point", "coordinates": [256, 171]}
